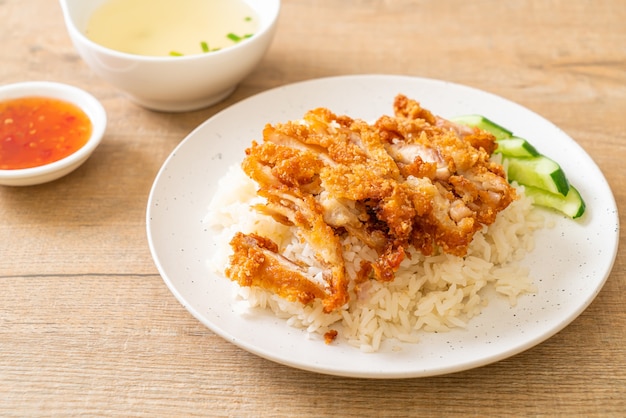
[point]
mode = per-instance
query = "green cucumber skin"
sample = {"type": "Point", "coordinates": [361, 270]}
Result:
{"type": "Point", "coordinates": [516, 147]}
{"type": "Point", "coordinates": [502, 135]}
{"type": "Point", "coordinates": [478, 121]}
{"type": "Point", "coordinates": [540, 172]}
{"type": "Point", "coordinates": [571, 205]}
{"type": "Point", "coordinates": [549, 187]}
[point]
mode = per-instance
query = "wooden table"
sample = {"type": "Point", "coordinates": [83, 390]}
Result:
{"type": "Point", "coordinates": [87, 326]}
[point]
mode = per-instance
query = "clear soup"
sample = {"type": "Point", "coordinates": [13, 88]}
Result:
{"type": "Point", "coordinates": [171, 28]}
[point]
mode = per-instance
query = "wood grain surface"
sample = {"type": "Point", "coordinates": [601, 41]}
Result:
{"type": "Point", "coordinates": [87, 326]}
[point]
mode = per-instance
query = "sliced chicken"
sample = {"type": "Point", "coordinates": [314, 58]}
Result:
{"type": "Point", "coordinates": [411, 180]}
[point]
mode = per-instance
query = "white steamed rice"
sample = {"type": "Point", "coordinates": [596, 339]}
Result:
{"type": "Point", "coordinates": [431, 294]}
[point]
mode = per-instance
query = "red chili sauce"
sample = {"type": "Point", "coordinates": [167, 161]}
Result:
{"type": "Point", "coordinates": [35, 131]}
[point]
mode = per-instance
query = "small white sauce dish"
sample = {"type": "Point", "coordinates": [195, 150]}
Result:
{"type": "Point", "coordinates": [172, 84]}
{"type": "Point", "coordinates": [54, 170]}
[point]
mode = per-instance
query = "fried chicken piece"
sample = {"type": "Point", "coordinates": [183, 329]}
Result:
{"type": "Point", "coordinates": [284, 180]}
{"type": "Point", "coordinates": [470, 189]}
{"type": "Point", "coordinates": [409, 180]}
{"type": "Point", "coordinates": [256, 262]}
{"type": "Point", "coordinates": [330, 336]}
{"type": "Point", "coordinates": [357, 173]}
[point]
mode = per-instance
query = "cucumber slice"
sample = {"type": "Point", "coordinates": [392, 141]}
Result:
{"type": "Point", "coordinates": [540, 172]}
{"type": "Point", "coordinates": [571, 204]}
{"type": "Point", "coordinates": [516, 147]}
{"type": "Point", "coordinates": [542, 177]}
{"type": "Point", "coordinates": [479, 121]}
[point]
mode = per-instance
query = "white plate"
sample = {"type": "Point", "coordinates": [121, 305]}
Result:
{"type": "Point", "coordinates": [570, 263]}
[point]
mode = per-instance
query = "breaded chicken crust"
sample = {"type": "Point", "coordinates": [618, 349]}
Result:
{"type": "Point", "coordinates": [408, 180]}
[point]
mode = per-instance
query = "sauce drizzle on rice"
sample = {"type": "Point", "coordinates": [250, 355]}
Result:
{"type": "Point", "coordinates": [379, 228]}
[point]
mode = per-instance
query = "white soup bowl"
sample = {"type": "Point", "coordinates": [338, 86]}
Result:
{"type": "Point", "coordinates": [172, 84]}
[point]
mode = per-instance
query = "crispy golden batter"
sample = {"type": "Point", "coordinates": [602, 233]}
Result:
{"type": "Point", "coordinates": [409, 180]}
{"type": "Point", "coordinates": [256, 262]}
